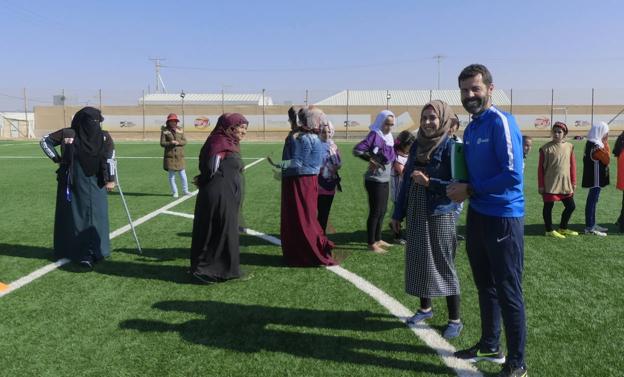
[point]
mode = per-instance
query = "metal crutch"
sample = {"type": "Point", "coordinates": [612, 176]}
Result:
{"type": "Point", "coordinates": [123, 200]}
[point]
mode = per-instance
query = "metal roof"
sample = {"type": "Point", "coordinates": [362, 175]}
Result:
{"type": "Point", "coordinates": [206, 99]}
{"type": "Point", "coordinates": [403, 97]}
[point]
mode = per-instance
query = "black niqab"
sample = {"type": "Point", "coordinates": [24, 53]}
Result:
{"type": "Point", "coordinates": [90, 148]}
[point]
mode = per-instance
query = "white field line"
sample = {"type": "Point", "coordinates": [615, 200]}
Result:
{"type": "Point", "coordinates": [428, 335]}
{"type": "Point", "coordinates": [153, 214]}
{"type": "Point", "coordinates": [61, 262]}
{"type": "Point", "coordinates": [117, 157]}
{"type": "Point", "coordinates": [33, 275]}
{"type": "Point", "coordinates": [11, 144]}
{"type": "Point", "coordinates": [181, 214]}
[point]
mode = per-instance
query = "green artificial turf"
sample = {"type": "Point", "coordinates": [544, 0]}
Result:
{"type": "Point", "coordinates": [138, 315]}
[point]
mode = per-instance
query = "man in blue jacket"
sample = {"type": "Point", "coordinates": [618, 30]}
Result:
{"type": "Point", "coordinates": [495, 221]}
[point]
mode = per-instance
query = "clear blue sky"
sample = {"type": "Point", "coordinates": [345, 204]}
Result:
{"type": "Point", "coordinates": [288, 46]}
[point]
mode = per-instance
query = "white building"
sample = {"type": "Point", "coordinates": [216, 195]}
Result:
{"type": "Point", "coordinates": [206, 99]}
{"type": "Point", "coordinates": [16, 124]}
{"type": "Point", "coordinates": [402, 97]}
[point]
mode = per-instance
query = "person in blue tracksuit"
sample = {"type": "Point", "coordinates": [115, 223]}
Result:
{"type": "Point", "coordinates": [495, 221]}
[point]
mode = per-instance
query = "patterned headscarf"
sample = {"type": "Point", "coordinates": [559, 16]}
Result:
{"type": "Point", "coordinates": [221, 138]}
{"type": "Point", "coordinates": [378, 125]}
{"type": "Point", "coordinates": [427, 144]}
{"type": "Point", "coordinates": [311, 119]}
{"type": "Point", "coordinates": [333, 148]}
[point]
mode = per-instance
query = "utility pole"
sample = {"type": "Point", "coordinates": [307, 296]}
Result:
{"type": "Point", "coordinates": [159, 80]}
{"type": "Point", "coordinates": [439, 58]}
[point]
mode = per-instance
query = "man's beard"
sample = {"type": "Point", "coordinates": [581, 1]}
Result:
{"type": "Point", "coordinates": [474, 105]}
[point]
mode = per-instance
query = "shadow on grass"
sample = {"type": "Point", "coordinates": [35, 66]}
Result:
{"type": "Point", "coordinates": [170, 254]}
{"type": "Point", "coordinates": [152, 264]}
{"type": "Point", "coordinates": [538, 229]}
{"type": "Point", "coordinates": [357, 240]}
{"type": "Point", "coordinates": [164, 272]}
{"type": "Point", "coordinates": [156, 255]}
{"type": "Point", "coordinates": [116, 193]}
{"type": "Point", "coordinates": [27, 251]}
{"type": "Point", "coordinates": [292, 331]}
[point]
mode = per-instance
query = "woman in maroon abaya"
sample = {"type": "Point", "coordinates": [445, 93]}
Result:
{"type": "Point", "coordinates": [304, 243]}
{"type": "Point", "coordinates": [215, 254]}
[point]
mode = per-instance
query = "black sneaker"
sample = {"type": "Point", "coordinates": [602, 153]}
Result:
{"type": "Point", "coordinates": [475, 353]}
{"type": "Point", "coordinates": [204, 279]}
{"type": "Point", "coordinates": [509, 371]}
{"type": "Point", "coordinates": [86, 264]}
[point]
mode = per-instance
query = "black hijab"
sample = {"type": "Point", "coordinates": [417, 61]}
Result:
{"type": "Point", "coordinates": [90, 147]}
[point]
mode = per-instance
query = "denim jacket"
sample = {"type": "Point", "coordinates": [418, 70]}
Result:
{"type": "Point", "coordinates": [302, 155]}
{"type": "Point", "coordinates": [439, 172]}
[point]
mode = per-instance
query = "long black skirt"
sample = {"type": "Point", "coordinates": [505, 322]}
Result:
{"type": "Point", "coordinates": [215, 252]}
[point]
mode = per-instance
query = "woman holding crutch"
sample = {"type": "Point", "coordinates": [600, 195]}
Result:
{"type": "Point", "coordinates": [86, 172]}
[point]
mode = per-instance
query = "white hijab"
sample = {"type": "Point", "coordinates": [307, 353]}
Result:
{"type": "Point", "coordinates": [330, 141]}
{"type": "Point", "coordinates": [597, 132]}
{"type": "Point", "coordinates": [378, 125]}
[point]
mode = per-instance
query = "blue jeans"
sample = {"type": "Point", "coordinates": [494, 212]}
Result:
{"type": "Point", "coordinates": [590, 207]}
{"type": "Point", "coordinates": [172, 182]}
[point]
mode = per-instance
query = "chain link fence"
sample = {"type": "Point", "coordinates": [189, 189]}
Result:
{"type": "Point", "coordinates": [32, 112]}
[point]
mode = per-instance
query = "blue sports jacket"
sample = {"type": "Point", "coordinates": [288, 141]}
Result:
{"type": "Point", "coordinates": [493, 152]}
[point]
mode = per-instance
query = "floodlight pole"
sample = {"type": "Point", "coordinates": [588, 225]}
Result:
{"type": "Point", "coordinates": [222, 101]}
{"type": "Point", "coordinates": [511, 101]}
{"type": "Point", "coordinates": [347, 121]}
{"type": "Point", "coordinates": [387, 99]}
{"type": "Point", "coordinates": [182, 95]}
{"type": "Point", "coordinates": [552, 105]}
{"type": "Point", "coordinates": [592, 109]}
{"type": "Point", "coordinates": [26, 115]}
{"type": "Point", "coordinates": [143, 108]}
{"type": "Point", "coordinates": [64, 110]}
{"type": "Point", "coordinates": [263, 115]}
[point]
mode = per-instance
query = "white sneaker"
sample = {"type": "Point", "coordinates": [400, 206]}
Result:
{"type": "Point", "coordinates": [600, 228]}
{"type": "Point", "coordinates": [175, 195]}
{"type": "Point", "coordinates": [595, 232]}
{"type": "Point", "coordinates": [187, 193]}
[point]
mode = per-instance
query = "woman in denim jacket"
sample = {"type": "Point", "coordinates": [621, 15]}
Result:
{"type": "Point", "coordinates": [431, 233]}
{"type": "Point", "coordinates": [304, 243]}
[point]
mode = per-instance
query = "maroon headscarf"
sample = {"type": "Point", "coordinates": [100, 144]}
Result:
{"type": "Point", "coordinates": [221, 139]}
